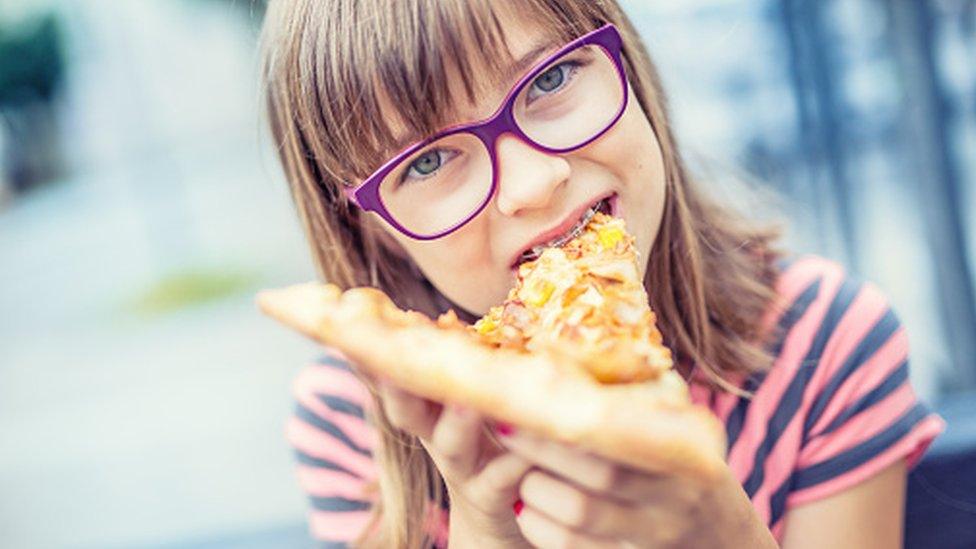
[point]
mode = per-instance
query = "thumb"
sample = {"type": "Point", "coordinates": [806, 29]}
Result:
{"type": "Point", "coordinates": [455, 444]}
{"type": "Point", "coordinates": [497, 483]}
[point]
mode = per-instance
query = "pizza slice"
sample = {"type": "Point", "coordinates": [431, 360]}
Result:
{"type": "Point", "coordinates": [573, 354]}
{"type": "Point", "coordinates": [585, 303]}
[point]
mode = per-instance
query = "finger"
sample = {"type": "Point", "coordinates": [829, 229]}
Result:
{"type": "Point", "coordinates": [408, 412]}
{"type": "Point", "coordinates": [542, 531]}
{"type": "Point", "coordinates": [498, 482]}
{"type": "Point", "coordinates": [455, 441]}
{"type": "Point", "coordinates": [577, 509]}
{"type": "Point", "coordinates": [595, 473]}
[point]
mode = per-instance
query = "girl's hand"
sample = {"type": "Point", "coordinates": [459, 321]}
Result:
{"type": "Point", "coordinates": [481, 477]}
{"type": "Point", "coordinates": [575, 499]}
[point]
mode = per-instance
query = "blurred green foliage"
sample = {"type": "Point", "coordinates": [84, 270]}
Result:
{"type": "Point", "coordinates": [192, 287]}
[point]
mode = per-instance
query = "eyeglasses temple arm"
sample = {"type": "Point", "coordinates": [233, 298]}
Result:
{"type": "Point", "coordinates": [350, 193]}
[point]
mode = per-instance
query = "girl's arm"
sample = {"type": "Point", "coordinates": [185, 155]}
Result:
{"type": "Point", "coordinates": [867, 515]}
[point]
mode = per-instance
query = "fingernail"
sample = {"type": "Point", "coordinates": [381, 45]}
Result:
{"type": "Point", "coordinates": [504, 429]}
{"type": "Point", "coordinates": [517, 507]}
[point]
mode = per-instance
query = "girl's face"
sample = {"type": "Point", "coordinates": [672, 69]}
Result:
{"type": "Point", "coordinates": [537, 192]}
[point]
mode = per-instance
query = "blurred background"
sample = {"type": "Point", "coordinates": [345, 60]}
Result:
{"type": "Point", "coordinates": [142, 398]}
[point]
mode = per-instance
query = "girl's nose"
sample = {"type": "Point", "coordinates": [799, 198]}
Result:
{"type": "Point", "coordinates": [527, 177]}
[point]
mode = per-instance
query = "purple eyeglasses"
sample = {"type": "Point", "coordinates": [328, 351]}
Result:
{"type": "Point", "coordinates": [434, 187]}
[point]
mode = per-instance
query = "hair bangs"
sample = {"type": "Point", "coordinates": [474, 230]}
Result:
{"type": "Point", "coordinates": [381, 90]}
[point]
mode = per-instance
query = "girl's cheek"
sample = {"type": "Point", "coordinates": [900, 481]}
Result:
{"type": "Point", "coordinates": [463, 268]}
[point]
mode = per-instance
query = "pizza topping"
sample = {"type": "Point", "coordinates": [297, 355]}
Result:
{"type": "Point", "coordinates": [610, 237]}
{"type": "Point", "coordinates": [615, 270]}
{"type": "Point", "coordinates": [585, 303]}
{"type": "Point", "coordinates": [628, 314]}
{"type": "Point", "coordinates": [591, 297]}
{"type": "Point", "coordinates": [517, 315]}
{"type": "Point", "coordinates": [537, 293]}
{"type": "Point", "coordinates": [486, 325]}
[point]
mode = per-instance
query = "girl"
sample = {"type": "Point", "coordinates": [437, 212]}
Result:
{"type": "Point", "coordinates": [429, 146]}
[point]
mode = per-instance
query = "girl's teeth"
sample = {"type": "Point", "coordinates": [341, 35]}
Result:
{"type": "Point", "coordinates": [571, 234]}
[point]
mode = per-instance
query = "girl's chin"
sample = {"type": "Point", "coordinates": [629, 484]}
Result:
{"type": "Point", "coordinates": [488, 298]}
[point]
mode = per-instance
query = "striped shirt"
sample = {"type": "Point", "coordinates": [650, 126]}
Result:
{"type": "Point", "coordinates": [835, 408]}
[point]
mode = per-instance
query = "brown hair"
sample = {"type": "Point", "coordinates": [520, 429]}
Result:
{"type": "Point", "coordinates": [709, 274]}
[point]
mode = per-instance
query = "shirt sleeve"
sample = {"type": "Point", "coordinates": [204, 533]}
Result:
{"type": "Point", "coordinates": [864, 415]}
{"type": "Point", "coordinates": [333, 445]}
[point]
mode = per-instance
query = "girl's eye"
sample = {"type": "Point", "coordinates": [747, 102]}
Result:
{"type": "Point", "coordinates": [427, 164]}
{"type": "Point", "coordinates": [553, 79]}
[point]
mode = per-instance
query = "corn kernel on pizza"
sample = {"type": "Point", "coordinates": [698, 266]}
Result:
{"type": "Point", "coordinates": [573, 353]}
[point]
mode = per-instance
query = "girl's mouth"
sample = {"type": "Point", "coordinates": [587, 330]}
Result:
{"type": "Point", "coordinates": [605, 205]}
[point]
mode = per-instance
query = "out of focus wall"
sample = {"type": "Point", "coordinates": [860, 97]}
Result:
{"type": "Point", "coordinates": [861, 116]}
{"type": "Point", "coordinates": [142, 398]}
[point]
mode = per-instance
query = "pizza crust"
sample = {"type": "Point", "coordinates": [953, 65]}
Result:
{"type": "Point", "coordinates": [650, 425]}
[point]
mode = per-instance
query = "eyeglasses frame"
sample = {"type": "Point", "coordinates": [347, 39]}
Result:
{"type": "Point", "coordinates": [366, 195]}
